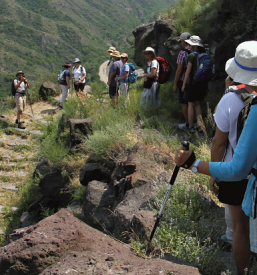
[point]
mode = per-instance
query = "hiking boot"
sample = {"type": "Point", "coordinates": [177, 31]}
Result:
{"type": "Point", "coordinates": [17, 122]}
{"type": "Point", "coordinates": [21, 125]}
{"type": "Point", "coordinates": [183, 127]}
{"type": "Point", "coordinates": [191, 131]}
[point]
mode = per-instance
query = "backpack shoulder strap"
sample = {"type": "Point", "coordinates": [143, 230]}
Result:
{"type": "Point", "coordinates": [187, 50]}
{"type": "Point", "coordinates": [244, 95]}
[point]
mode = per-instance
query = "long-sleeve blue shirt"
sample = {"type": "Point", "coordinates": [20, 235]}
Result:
{"type": "Point", "coordinates": [244, 158]}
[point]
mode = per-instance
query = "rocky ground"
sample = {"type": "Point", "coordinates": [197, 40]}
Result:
{"type": "Point", "coordinates": [61, 243]}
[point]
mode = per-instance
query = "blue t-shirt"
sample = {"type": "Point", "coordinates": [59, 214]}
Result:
{"type": "Point", "coordinates": [116, 67]}
{"type": "Point", "coordinates": [66, 73]}
{"type": "Point", "coordinates": [124, 69]}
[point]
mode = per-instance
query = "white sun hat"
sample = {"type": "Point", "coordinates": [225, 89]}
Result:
{"type": "Point", "coordinates": [149, 49]}
{"type": "Point", "coordinates": [194, 40]}
{"type": "Point", "coordinates": [243, 67]}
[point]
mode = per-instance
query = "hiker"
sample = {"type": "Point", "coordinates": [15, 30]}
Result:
{"type": "Point", "coordinates": [242, 68]}
{"type": "Point", "coordinates": [123, 79]}
{"type": "Point", "coordinates": [20, 84]}
{"type": "Point", "coordinates": [79, 76]}
{"type": "Point", "coordinates": [180, 75]}
{"type": "Point", "coordinates": [151, 94]}
{"type": "Point", "coordinates": [223, 144]}
{"type": "Point", "coordinates": [114, 71]}
{"type": "Point", "coordinates": [194, 92]}
{"type": "Point", "coordinates": [111, 50]}
{"type": "Point", "coordinates": [65, 83]}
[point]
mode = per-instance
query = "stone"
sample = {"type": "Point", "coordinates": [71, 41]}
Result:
{"type": "Point", "coordinates": [1, 208]}
{"type": "Point", "coordinates": [135, 201]}
{"type": "Point", "coordinates": [11, 144]}
{"type": "Point", "coordinates": [43, 167]}
{"type": "Point", "coordinates": [2, 140]}
{"type": "Point", "coordinates": [80, 129]}
{"type": "Point", "coordinates": [48, 88]}
{"type": "Point", "coordinates": [21, 130]}
{"type": "Point", "coordinates": [10, 187]}
{"type": "Point", "coordinates": [35, 116]}
{"type": "Point", "coordinates": [46, 123]}
{"type": "Point", "coordinates": [94, 171]}
{"type": "Point", "coordinates": [62, 244]}
{"type": "Point", "coordinates": [26, 220]}
{"type": "Point", "coordinates": [97, 206]}
{"type": "Point", "coordinates": [36, 132]}
{"type": "Point", "coordinates": [21, 173]}
{"type": "Point", "coordinates": [6, 157]}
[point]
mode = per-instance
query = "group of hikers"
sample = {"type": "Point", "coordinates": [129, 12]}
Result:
{"type": "Point", "coordinates": [233, 156]}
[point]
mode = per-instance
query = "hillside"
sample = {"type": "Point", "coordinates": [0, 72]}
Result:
{"type": "Point", "coordinates": [39, 36]}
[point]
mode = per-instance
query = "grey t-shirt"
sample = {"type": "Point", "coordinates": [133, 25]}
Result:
{"type": "Point", "coordinates": [116, 67]}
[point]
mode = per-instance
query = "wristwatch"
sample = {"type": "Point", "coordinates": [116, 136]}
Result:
{"type": "Point", "coordinates": [195, 167]}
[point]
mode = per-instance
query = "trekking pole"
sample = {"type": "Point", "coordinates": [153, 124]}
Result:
{"type": "Point", "coordinates": [185, 145]}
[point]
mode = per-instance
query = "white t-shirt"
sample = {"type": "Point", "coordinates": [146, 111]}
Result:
{"type": "Point", "coordinates": [21, 88]}
{"type": "Point", "coordinates": [78, 73]}
{"type": "Point", "coordinates": [226, 117]}
{"type": "Point", "coordinates": [153, 64]}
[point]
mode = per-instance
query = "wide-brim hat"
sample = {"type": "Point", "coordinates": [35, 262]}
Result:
{"type": "Point", "coordinates": [20, 72]}
{"type": "Point", "coordinates": [111, 49]}
{"type": "Point", "coordinates": [77, 60]}
{"type": "Point", "coordinates": [115, 53]}
{"type": "Point", "coordinates": [67, 65]}
{"type": "Point", "coordinates": [149, 49]}
{"type": "Point", "coordinates": [184, 36]}
{"type": "Point", "coordinates": [243, 67]}
{"type": "Point", "coordinates": [194, 40]}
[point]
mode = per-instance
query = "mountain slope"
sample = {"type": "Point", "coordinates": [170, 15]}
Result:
{"type": "Point", "coordinates": [39, 36]}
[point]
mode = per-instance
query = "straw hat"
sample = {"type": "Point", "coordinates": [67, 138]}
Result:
{"type": "Point", "coordinates": [111, 49]}
{"type": "Point", "coordinates": [243, 67]}
{"type": "Point", "coordinates": [20, 72]}
{"type": "Point", "coordinates": [115, 53]}
{"type": "Point", "coordinates": [194, 40]}
{"type": "Point", "coordinates": [149, 49]}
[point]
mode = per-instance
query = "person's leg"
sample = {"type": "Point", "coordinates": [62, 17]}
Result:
{"type": "Point", "coordinates": [182, 101]}
{"type": "Point", "coordinates": [229, 230]}
{"type": "Point", "coordinates": [64, 93]}
{"type": "Point", "coordinates": [241, 243]}
{"type": "Point", "coordinates": [191, 107]}
{"type": "Point", "coordinates": [185, 112]}
{"type": "Point", "coordinates": [198, 113]}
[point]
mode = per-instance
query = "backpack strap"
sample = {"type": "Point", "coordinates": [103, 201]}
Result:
{"type": "Point", "coordinates": [244, 95]}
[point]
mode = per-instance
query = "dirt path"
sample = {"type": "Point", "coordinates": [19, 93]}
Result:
{"type": "Point", "coordinates": [19, 149]}
{"type": "Point", "coordinates": [103, 72]}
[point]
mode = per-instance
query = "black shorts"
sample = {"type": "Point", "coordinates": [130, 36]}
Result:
{"type": "Point", "coordinates": [196, 91]}
{"type": "Point", "coordinates": [181, 99]}
{"type": "Point", "coordinates": [79, 86]}
{"type": "Point", "coordinates": [113, 93]}
{"type": "Point", "coordinates": [232, 192]}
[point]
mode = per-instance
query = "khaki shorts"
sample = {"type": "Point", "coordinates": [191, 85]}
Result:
{"type": "Point", "coordinates": [20, 102]}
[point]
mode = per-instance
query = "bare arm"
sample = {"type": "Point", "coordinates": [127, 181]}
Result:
{"type": "Point", "coordinates": [188, 71]}
{"type": "Point", "coordinates": [68, 81]}
{"type": "Point", "coordinates": [177, 76]}
{"type": "Point", "coordinates": [218, 148]}
{"type": "Point", "coordinates": [124, 77]}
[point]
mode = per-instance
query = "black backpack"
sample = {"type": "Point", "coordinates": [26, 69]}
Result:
{"type": "Point", "coordinates": [13, 90]}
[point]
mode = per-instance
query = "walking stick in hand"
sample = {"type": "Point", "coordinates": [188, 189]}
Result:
{"type": "Point", "coordinates": [185, 145]}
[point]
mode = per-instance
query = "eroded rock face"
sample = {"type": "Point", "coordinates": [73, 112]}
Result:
{"type": "Point", "coordinates": [62, 244]}
{"type": "Point", "coordinates": [80, 129]}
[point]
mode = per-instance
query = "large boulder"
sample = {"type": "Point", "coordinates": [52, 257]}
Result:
{"type": "Point", "coordinates": [94, 171]}
{"type": "Point", "coordinates": [62, 244]}
{"type": "Point", "coordinates": [80, 129]}
{"type": "Point", "coordinates": [48, 88]}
